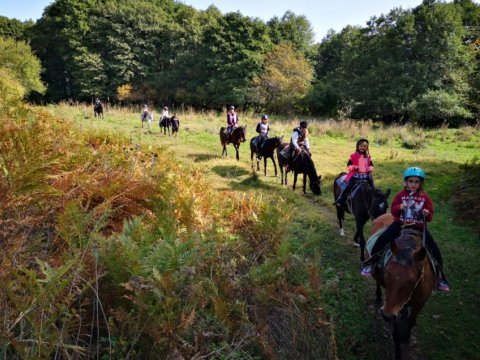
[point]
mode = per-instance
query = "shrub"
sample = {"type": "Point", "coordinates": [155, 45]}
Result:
{"type": "Point", "coordinates": [435, 107]}
{"type": "Point", "coordinates": [466, 197]}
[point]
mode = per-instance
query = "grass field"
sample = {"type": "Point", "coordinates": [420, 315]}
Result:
{"type": "Point", "coordinates": [447, 326]}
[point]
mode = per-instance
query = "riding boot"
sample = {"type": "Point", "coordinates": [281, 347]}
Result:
{"type": "Point", "coordinates": [342, 199]}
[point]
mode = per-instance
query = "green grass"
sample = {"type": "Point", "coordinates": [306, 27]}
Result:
{"type": "Point", "coordinates": [447, 328]}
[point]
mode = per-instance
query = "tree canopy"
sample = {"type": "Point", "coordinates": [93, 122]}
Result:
{"type": "Point", "coordinates": [393, 69]}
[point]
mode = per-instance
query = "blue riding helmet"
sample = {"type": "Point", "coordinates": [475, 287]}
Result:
{"type": "Point", "coordinates": [264, 117]}
{"type": "Point", "coordinates": [414, 171]}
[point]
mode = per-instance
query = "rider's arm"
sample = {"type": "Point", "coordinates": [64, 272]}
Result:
{"type": "Point", "coordinates": [306, 144]}
{"type": "Point", "coordinates": [294, 140]}
{"type": "Point", "coordinates": [258, 128]}
{"type": "Point", "coordinates": [396, 203]}
{"type": "Point", "coordinates": [428, 206]}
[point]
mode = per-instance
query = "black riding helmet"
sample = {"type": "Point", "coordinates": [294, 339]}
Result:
{"type": "Point", "coordinates": [303, 124]}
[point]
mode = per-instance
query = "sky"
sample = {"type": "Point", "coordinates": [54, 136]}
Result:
{"type": "Point", "coordinates": [322, 14]}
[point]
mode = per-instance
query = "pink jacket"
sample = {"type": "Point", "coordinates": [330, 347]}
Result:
{"type": "Point", "coordinates": [360, 164]}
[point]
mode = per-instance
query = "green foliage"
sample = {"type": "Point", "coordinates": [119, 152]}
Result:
{"type": "Point", "coordinates": [466, 197]}
{"type": "Point", "coordinates": [401, 59]}
{"type": "Point", "coordinates": [17, 58]}
{"type": "Point", "coordinates": [11, 89]}
{"type": "Point", "coordinates": [284, 82]}
{"type": "Point", "coordinates": [437, 106]}
{"type": "Point", "coordinates": [15, 29]}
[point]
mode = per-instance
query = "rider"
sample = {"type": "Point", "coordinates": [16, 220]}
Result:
{"type": "Point", "coordinates": [360, 166]}
{"type": "Point", "coordinates": [165, 112]}
{"type": "Point", "coordinates": [232, 120]}
{"type": "Point", "coordinates": [410, 207]}
{"type": "Point", "coordinates": [262, 128]}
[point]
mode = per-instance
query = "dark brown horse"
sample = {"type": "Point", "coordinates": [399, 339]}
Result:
{"type": "Point", "coordinates": [98, 110]}
{"type": "Point", "coordinates": [408, 279]}
{"type": "Point", "coordinates": [364, 203]}
{"type": "Point", "coordinates": [165, 124]}
{"type": "Point", "coordinates": [302, 164]}
{"type": "Point", "coordinates": [266, 151]}
{"type": "Point", "coordinates": [237, 136]}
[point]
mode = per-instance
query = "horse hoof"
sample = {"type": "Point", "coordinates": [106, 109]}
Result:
{"type": "Point", "coordinates": [356, 244]}
{"type": "Point", "coordinates": [342, 232]}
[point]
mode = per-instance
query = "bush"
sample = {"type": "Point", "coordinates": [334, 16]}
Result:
{"type": "Point", "coordinates": [435, 107]}
{"type": "Point", "coordinates": [467, 193]}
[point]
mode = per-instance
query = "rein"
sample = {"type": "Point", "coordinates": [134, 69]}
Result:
{"type": "Point", "coordinates": [421, 272]}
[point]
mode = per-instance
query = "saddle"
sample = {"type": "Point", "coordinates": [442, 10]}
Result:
{"type": "Point", "coordinates": [383, 258]}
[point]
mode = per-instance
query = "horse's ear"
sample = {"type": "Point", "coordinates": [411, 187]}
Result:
{"type": "Point", "coordinates": [387, 194]}
{"type": "Point", "coordinates": [319, 177]}
{"type": "Point", "coordinates": [420, 254]}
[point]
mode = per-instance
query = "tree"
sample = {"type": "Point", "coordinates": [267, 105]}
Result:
{"type": "Point", "coordinates": [19, 63]}
{"type": "Point", "coordinates": [292, 28]}
{"type": "Point", "coordinates": [14, 28]}
{"type": "Point", "coordinates": [285, 80]}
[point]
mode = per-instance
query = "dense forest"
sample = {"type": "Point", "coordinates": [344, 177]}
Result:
{"type": "Point", "coordinates": [419, 64]}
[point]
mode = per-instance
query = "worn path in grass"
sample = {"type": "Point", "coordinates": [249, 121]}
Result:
{"type": "Point", "coordinates": [360, 332]}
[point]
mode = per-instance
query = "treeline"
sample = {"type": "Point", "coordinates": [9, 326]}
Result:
{"type": "Point", "coordinates": [420, 64]}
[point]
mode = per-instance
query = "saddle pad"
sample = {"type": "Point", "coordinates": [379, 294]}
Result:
{"type": "Point", "coordinates": [341, 183]}
{"type": "Point", "coordinates": [284, 152]}
{"type": "Point", "coordinates": [387, 254]}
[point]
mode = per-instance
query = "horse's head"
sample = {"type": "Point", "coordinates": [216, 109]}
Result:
{"type": "Point", "coordinates": [312, 173]}
{"type": "Point", "coordinates": [379, 203]}
{"type": "Point", "coordinates": [404, 273]}
{"type": "Point", "coordinates": [278, 141]}
{"type": "Point", "coordinates": [315, 186]}
{"type": "Point", "coordinates": [243, 133]}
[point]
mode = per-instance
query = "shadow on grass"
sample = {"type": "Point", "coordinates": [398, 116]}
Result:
{"type": "Point", "coordinates": [203, 157]}
{"type": "Point", "coordinates": [229, 171]}
{"type": "Point", "coordinates": [252, 182]}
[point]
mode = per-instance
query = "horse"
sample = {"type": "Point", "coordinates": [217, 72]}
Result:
{"type": "Point", "coordinates": [408, 279]}
{"type": "Point", "coordinates": [98, 110]}
{"type": "Point", "coordinates": [237, 136]}
{"type": "Point", "coordinates": [266, 151]}
{"type": "Point", "coordinates": [363, 203]}
{"type": "Point", "coordinates": [302, 164]}
{"type": "Point", "coordinates": [165, 123]}
{"type": "Point", "coordinates": [147, 117]}
{"type": "Point", "coordinates": [175, 124]}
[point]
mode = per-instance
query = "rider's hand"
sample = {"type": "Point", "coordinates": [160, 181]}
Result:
{"type": "Point", "coordinates": [402, 206]}
{"type": "Point", "coordinates": [426, 212]}
{"type": "Point", "coordinates": [370, 169]}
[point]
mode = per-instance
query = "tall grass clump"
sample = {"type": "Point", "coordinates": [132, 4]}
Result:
{"type": "Point", "coordinates": [110, 249]}
{"type": "Point", "coordinates": [466, 197]}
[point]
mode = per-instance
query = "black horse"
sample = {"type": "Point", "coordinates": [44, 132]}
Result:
{"type": "Point", "coordinates": [266, 151]}
{"type": "Point", "coordinates": [237, 136]}
{"type": "Point", "coordinates": [364, 203]}
{"type": "Point", "coordinates": [302, 164]}
{"type": "Point", "coordinates": [98, 110]}
{"type": "Point", "coordinates": [165, 124]}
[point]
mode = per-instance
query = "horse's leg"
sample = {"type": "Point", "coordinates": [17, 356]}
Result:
{"type": "Point", "coordinates": [304, 183]}
{"type": "Point", "coordinates": [224, 151]}
{"type": "Point", "coordinates": [360, 223]}
{"type": "Point", "coordinates": [295, 174]}
{"type": "Point", "coordinates": [340, 217]}
{"type": "Point", "coordinates": [401, 335]}
{"type": "Point", "coordinates": [238, 155]}
{"type": "Point", "coordinates": [274, 165]}
{"type": "Point", "coordinates": [378, 295]}
{"type": "Point", "coordinates": [265, 165]}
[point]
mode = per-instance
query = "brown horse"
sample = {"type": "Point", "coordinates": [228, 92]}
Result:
{"type": "Point", "coordinates": [266, 151]}
{"type": "Point", "coordinates": [237, 136]}
{"type": "Point", "coordinates": [408, 279]}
